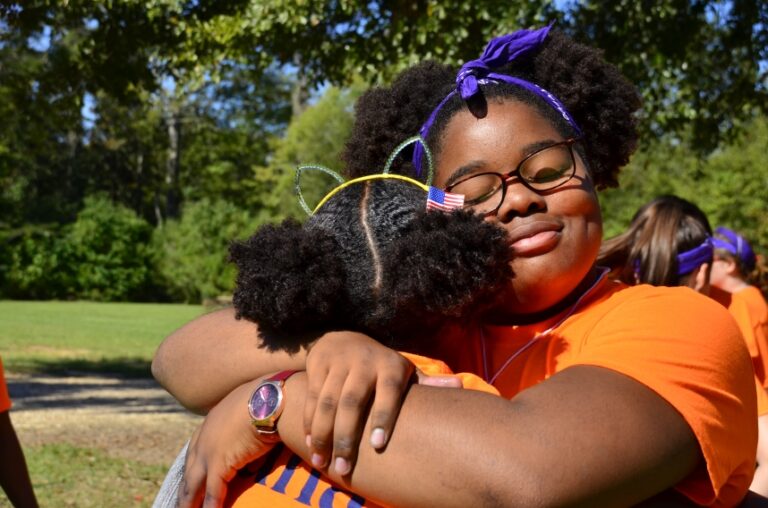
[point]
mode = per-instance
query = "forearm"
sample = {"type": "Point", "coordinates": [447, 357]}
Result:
{"type": "Point", "coordinates": [434, 456]}
{"type": "Point", "coordinates": [466, 448]}
{"type": "Point", "coordinates": [204, 360]}
{"type": "Point", "coordinates": [14, 476]}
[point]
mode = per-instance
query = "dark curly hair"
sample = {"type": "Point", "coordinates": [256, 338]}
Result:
{"type": "Point", "coordinates": [373, 260]}
{"type": "Point", "coordinates": [598, 97]}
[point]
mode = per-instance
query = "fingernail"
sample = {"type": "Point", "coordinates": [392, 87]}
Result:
{"type": "Point", "coordinates": [318, 460]}
{"type": "Point", "coordinates": [378, 437]}
{"type": "Point", "coordinates": [342, 466]}
{"type": "Point", "coordinates": [309, 441]}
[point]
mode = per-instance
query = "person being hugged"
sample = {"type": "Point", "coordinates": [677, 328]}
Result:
{"type": "Point", "coordinates": [608, 397]}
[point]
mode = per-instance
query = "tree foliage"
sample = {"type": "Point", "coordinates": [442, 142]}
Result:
{"type": "Point", "coordinates": [729, 185]}
{"type": "Point", "coordinates": [165, 107]}
{"type": "Point", "coordinates": [193, 250]}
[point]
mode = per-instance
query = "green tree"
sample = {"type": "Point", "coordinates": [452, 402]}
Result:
{"type": "Point", "coordinates": [192, 251]}
{"type": "Point", "coordinates": [696, 61]}
{"type": "Point", "coordinates": [317, 136]}
{"type": "Point", "coordinates": [729, 185]}
{"type": "Point", "coordinates": [110, 254]}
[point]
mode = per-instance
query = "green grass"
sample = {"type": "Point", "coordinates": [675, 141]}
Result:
{"type": "Point", "coordinates": [91, 479]}
{"type": "Point", "coordinates": [56, 337]}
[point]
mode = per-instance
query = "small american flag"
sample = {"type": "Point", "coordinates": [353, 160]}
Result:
{"type": "Point", "coordinates": [445, 201]}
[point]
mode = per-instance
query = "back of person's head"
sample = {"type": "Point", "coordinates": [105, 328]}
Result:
{"type": "Point", "coordinates": [731, 246]}
{"type": "Point", "coordinates": [600, 100]}
{"type": "Point", "coordinates": [371, 259]}
{"type": "Point", "coordinates": [666, 242]}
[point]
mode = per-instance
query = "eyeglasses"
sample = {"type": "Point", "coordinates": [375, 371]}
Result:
{"type": "Point", "coordinates": [543, 170]}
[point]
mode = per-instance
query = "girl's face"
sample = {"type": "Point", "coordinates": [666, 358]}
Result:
{"type": "Point", "coordinates": [721, 270]}
{"type": "Point", "coordinates": [554, 235]}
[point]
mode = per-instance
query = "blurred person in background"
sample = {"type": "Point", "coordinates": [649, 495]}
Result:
{"type": "Point", "coordinates": [14, 476]}
{"type": "Point", "coordinates": [735, 277]}
{"type": "Point", "coordinates": [669, 243]}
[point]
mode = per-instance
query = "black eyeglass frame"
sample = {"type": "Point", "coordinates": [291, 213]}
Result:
{"type": "Point", "coordinates": [516, 172]}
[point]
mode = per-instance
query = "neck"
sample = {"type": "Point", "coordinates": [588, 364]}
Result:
{"type": "Point", "coordinates": [553, 313]}
{"type": "Point", "coordinates": [732, 284]}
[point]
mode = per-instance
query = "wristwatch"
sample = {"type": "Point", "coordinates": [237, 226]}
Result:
{"type": "Point", "coordinates": [266, 403]}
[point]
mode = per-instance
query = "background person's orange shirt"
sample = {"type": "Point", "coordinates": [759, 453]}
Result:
{"type": "Point", "coordinates": [755, 328]}
{"type": "Point", "coordinates": [281, 479]}
{"type": "Point", "coordinates": [683, 345]}
{"type": "Point", "coordinates": [5, 399]}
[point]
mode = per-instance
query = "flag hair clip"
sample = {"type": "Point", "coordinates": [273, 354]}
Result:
{"type": "Point", "coordinates": [437, 199]}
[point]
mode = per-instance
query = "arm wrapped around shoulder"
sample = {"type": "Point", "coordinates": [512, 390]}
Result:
{"type": "Point", "coordinates": [447, 265]}
{"type": "Point", "coordinates": [291, 282]}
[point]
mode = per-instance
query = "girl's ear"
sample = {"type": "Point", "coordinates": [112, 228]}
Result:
{"type": "Point", "coordinates": [731, 268]}
{"type": "Point", "coordinates": [290, 282]}
{"type": "Point", "coordinates": [699, 279]}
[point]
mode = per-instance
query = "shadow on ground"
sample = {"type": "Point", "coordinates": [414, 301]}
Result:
{"type": "Point", "coordinates": [125, 395]}
{"type": "Point", "coordinates": [126, 367]}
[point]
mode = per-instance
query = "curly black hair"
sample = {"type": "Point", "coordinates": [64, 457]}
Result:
{"type": "Point", "coordinates": [599, 98]}
{"type": "Point", "coordinates": [373, 260]}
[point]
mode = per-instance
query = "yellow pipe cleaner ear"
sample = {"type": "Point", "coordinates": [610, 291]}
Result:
{"type": "Point", "coordinates": [378, 176]}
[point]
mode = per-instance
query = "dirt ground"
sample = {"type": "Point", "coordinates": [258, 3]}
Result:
{"type": "Point", "coordinates": [128, 418]}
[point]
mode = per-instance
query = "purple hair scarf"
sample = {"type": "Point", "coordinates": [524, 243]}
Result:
{"type": "Point", "coordinates": [736, 245]}
{"type": "Point", "coordinates": [499, 52]}
{"type": "Point", "coordinates": [688, 261]}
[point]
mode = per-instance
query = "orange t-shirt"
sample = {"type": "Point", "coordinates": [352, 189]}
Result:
{"type": "Point", "coordinates": [682, 345]}
{"type": "Point", "coordinates": [5, 399]}
{"type": "Point", "coordinates": [762, 399]}
{"type": "Point", "coordinates": [281, 479]}
{"type": "Point", "coordinates": [754, 326]}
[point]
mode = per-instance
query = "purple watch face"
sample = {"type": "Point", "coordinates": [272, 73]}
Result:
{"type": "Point", "coordinates": [264, 401]}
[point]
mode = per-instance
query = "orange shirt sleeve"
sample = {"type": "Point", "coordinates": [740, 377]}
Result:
{"type": "Point", "coordinates": [5, 399]}
{"type": "Point", "coordinates": [753, 321]}
{"type": "Point", "coordinates": [689, 350]}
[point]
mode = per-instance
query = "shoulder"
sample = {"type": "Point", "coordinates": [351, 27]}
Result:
{"type": "Point", "coordinates": [688, 349]}
{"type": "Point", "coordinates": [753, 297]}
{"type": "Point", "coordinates": [643, 312]}
{"type": "Point", "coordinates": [667, 325]}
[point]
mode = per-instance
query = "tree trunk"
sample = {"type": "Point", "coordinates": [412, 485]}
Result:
{"type": "Point", "coordinates": [172, 165]}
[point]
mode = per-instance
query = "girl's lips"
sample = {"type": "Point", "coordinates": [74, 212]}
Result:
{"type": "Point", "coordinates": [537, 244]}
{"type": "Point", "coordinates": [534, 238]}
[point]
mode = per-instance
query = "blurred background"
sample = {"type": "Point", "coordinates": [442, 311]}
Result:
{"type": "Point", "coordinates": [138, 138]}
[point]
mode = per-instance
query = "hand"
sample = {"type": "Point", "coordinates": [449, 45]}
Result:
{"type": "Point", "coordinates": [225, 442]}
{"type": "Point", "coordinates": [344, 370]}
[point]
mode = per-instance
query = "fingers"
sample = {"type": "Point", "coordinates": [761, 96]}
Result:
{"type": "Point", "coordinates": [343, 371]}
{"type": "Point", "coordinates": [350, 420]}
{"type": "Point", "coordinates": [342, 405]}
{"type": "Point", "coordinates": [441, 381]}
{"type": "Point", "coordinates": [215, 492]}
{"type": "Point", "coordinates": [339, 401]}
{"type": "Point", "coordinates": [201, 488]}
{"type": "Point", "coordinates": [315, 383]}
{"type": "Point", "coordinates": [390, 387]}
{"type": "Point", "coordinates": [192, 486]}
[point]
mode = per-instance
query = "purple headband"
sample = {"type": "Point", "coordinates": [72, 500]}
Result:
{"type": "Point", "coordinates": [688, 261]}
{"type": "Point", "coordinates": [735, 244]}
{"type": "Point", "coordinates": [499, 52]}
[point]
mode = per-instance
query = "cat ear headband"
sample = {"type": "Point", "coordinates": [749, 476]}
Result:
{"type": "Point", "coordinates": [437, 199]}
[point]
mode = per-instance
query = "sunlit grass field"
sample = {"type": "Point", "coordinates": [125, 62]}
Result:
{"type": "Point", "coordinates": [92, 338]}
{"type": "Point", "coordinates": [56, 337]}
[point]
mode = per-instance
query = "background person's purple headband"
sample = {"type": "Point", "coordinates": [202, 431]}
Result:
{"type": "Point", "coordinates": [737, 245]}
{"type": "Point", "coordinates": [499, 52]}
{"type": "Point", "coordinates": [689, 260]}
